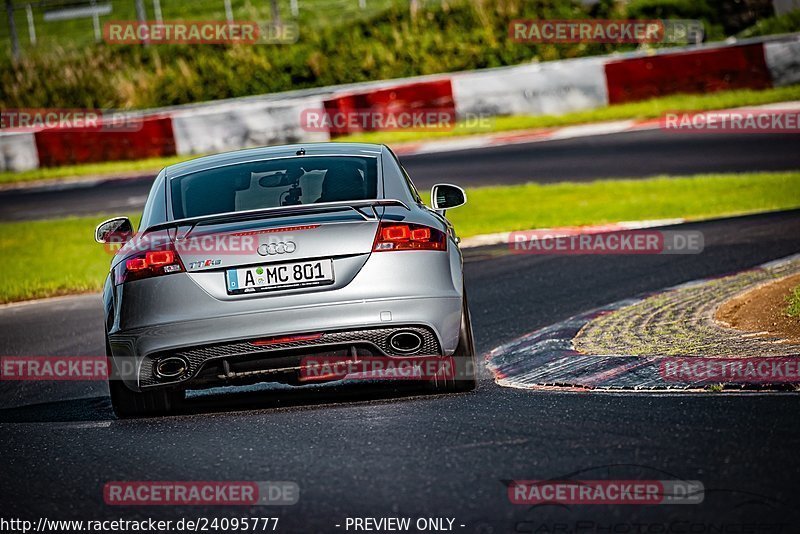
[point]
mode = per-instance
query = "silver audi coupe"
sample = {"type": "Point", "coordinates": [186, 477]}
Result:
{"type": "Point", "coordinates": [293, 264]}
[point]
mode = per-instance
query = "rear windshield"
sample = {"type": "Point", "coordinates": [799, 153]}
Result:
{"type": "Point", "coordinates": [274, 183]}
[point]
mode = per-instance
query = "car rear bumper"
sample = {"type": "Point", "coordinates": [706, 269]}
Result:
{"type": "Point", "coordinates": [134, 350]}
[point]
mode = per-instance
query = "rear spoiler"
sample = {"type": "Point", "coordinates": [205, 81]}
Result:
{"type": "Point", "coordinates": [300, 209]}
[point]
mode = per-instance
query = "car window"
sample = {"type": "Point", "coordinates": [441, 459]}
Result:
{"type": "Point", "coordinates": [411, 185]}
{"type": "Point", "coordinates": [406, 177]}
{"type": "Point", "coordinates": [274, 183]}
{"type": "Point", "coordinates": [155, 209]}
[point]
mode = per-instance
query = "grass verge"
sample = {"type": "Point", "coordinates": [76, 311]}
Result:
{"type": "Point", "coordinates": [74, 263]}
{"type": "Point", "coordinates": [50, 258]}
{"type": "Point", "coordinates": [793, 310]}
{"type": "Point", "coordinates": [89, 170]}
{"type": "Point", "coordinates": [522, 207]}
{"type": "Point", "coordinates": [638, 110]}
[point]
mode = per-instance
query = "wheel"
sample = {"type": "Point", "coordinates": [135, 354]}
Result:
{"type": "Point", "coordinates": [127, 403]}
{"type": "Point", "coordinates": [463, 377]}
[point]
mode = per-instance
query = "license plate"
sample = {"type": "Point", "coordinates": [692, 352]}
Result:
{"type": "Point", "coordinates": [279, 276]}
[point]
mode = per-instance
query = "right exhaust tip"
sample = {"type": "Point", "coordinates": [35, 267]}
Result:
{"type": "Point", "coordinates": [170, 367]}
{"type": "Point", "coordinates": [405, 341]}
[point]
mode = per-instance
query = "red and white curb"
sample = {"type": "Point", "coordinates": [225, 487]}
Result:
{"type": "Point", "coordinates": [547, 359]}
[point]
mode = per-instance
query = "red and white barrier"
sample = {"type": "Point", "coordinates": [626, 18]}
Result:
{"type": "Point", "coordinates": [234, 125]}
{"type": "Point", "coordinates": [435, 94]}
{"type": "Point", "coordinates": [694, 71]}
{"type": "Point", "coordinates": [18, 152]}
{"type": "Point", "coordinates": [783, 61]}
{"type": "Point", "coordinates": [152, 138]}
{"type": "Point", "coordinates": [550, 88]}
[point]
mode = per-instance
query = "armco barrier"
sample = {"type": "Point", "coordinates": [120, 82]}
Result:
{"type": "Point", "coordinates": [433, 94]}
{"type": "Point", "coordinates": [700, 71]}
{"type": "Point", "coordinates": [550, 88]}
{"type": "Point", "coordinates": [783, 60]}
{"type": "Point", "coordinates": [18, 152]}
{"type": "Point", "coordinates": [231, 126]}
{"type": "Point", "coordinates": [66, 147]}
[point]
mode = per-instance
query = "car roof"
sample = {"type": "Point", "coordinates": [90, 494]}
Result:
{"type": "Point", "coordinates": [262, 153]}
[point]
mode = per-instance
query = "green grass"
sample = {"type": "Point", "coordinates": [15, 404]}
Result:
{"type": "Point", "coordinates": [79, 33]}
{"type": "Point", "coordinates": [88, 170]}
{"type": "Point", "coordinates": [338, 43]}
{"type": "Point", "coordinates": [793, 310]}
{"type": "Point", "coordinates": [637, 110]}
{"type": "Point", "coordinates": [48, 258]}
{"type": "Point", "coordinates": [521, 207]}
{"type": "Point", "coordinates": [786, 23]}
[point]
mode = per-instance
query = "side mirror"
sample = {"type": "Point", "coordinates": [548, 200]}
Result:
{"type": "Point", "coordinates": [114, 231]}
{"type": "Point", "coordinates": [447, 196]}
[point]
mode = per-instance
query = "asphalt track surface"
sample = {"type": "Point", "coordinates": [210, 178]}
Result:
{"type": "Point", "coordinates": [624, 155]}
{"type": "Point", "coordinates": [383, 452]}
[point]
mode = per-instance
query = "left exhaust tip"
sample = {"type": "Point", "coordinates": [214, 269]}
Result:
{"type": "Point", "coordinates": [405, 341]}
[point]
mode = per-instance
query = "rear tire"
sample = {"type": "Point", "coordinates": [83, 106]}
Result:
{"type": "Point", "coordinates": [127, 403]}
{"type": "Point", "coordinates": [463, 377]}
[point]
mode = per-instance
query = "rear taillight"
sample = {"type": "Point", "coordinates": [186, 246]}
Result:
{"type": "Point", "coordinates": [147, 264]}
{"type": "Point", "coordinates": [397, 236]}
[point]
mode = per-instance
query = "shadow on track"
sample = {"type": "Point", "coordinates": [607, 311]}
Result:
{"type": "Point", "coordinates": [260, 397]}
